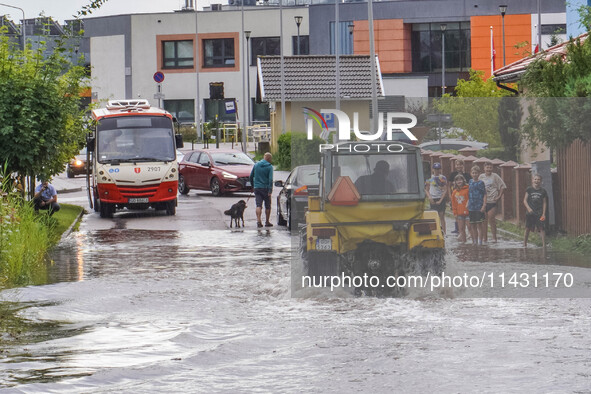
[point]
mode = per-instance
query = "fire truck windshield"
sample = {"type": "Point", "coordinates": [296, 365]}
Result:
{"type": "Point", "coordinates": [134, 139]}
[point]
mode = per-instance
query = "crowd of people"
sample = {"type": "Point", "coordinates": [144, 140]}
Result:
{"type": "Point", "coordinates": [474, 201]}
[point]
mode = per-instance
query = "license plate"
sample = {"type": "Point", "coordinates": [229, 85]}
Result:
{"type": "Point", "coordinates": [247, 184]}
{"type": "Point", "coordinates": [323, 244]}
{"type": "Point", "coordinates": [138, 200]}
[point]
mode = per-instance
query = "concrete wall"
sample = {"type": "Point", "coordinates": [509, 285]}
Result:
{"type": "Point", "coordinates": [407, 86]}
{"type": "Point", "coordinates": [108, 67]}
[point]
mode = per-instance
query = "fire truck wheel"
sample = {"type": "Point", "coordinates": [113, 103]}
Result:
{"type": "Point", "coordinates": [171, 207]}
{"type": "Point", "coordinates": [216, 189]}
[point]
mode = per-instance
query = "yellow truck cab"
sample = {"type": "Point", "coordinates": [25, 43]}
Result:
{"type": "Point", "coordinates": [368, 215]}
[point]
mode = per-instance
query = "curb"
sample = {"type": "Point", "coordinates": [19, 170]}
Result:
{"type": "Point", "coordinates": [65, 191]}
{"type": "Point", "coordinates": [67, 233]}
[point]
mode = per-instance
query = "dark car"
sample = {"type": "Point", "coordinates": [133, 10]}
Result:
{"type": "Point", "coordinates": [77, 165]}
{"type": "Point", "coordinates": [293, 197]}
{"type": "Point", "coordinates": [219, 170]}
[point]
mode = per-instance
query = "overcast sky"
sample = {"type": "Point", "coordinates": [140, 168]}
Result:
{"type": "Point", "coordinates": [61, 10]}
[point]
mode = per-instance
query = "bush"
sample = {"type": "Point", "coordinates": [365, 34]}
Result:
{"type": "Point", "coordinates": [188, 132]}
{"type": "Point", "coordinates": [295, 149]}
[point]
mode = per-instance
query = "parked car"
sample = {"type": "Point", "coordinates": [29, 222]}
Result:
{"type": "Point", "coordinates": [452, 144]}
{"type": "Point", "coordinates": [77, 165]}
{"type": "Point", "coordinates": [219, 170]}
{"type": "Point", "coordinates": [293, 197]}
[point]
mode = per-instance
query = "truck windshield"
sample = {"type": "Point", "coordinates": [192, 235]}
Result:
{"type": "Point", "coordinates": [134, 139]}
{"type": "Point", "coordinates": [379, 175]}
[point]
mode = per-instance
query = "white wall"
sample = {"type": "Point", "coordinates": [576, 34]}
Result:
{"type": "Point", "coordinates": [547, 19]}
{"type": "Point", "coordinates": [108, 67]}
{"type": "Point", "coordinates": [406, 86]}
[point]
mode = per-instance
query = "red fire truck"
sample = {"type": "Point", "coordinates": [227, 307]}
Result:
{"type": "Point", "coordinates": [133, 158]}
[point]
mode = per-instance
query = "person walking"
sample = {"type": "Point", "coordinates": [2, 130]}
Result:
{"type": "Point", "coordinates": [459, 202]}
{"type": "Point", "coordinates": [261, 178]}
{"type": "Point", "coordinates": [476, 206]}
{"type": "Point", "coordinates": [536, 202]}
{"type": "Point", "coordinates": [436, 190]}
{"type": "Point", "coordinates": [45, 197]}
{"type": "Point", "coordinates": [495, 187]}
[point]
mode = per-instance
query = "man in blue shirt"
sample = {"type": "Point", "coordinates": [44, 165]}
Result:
{"type": "Point", "coordinates": [261, 179]}
{"type": "Point", "coordinates": [46, 197]}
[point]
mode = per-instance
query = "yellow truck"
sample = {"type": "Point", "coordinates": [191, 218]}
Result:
{"type": "Point", "coordinates": [368, 216]}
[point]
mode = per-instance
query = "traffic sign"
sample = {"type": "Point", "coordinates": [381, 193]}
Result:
{"type": "Point", "coordinates": [159, 76]}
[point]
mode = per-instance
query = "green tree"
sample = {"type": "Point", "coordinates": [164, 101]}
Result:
{"type": "Point", "coordinates": [559, 87]}
{"type": "Point", "coordinates": [475, 108]}
{"type": "Point", "coordinates": [41, 119]}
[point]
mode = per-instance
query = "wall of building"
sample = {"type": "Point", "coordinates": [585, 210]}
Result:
{"type": "Point", "coordinates": [119, 25]}
{"type": "Point", "coordinates": [517, 30]}
{"type": "Point", "coordinates": [108, 67]}
{"type": "Point", "coordinates": [407, 86]}
{"type": "Point", "coordinates": [392, 43]}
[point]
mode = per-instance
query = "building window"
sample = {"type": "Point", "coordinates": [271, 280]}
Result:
{"type": "Point", "coordinates": [177, 54]}
{"type": "Point", "coordinates": [304, 45]}
{"type": "Point", "coordinates": [218, 52]}
{"type": "Point", "coordinates": [260, 111]}
{"type": "Point", "coordinates": [183, 110]}
{"type": "Point", "coordinates": [549, 30]}
{"type": "Point", "coordinates": [426, 47]}
{"type": "Point", "coordinates": [345, 37]}
{"type": "Point", "coordinates": [263, 46]}
{"type": "Point", "coordinates": [218, 107]}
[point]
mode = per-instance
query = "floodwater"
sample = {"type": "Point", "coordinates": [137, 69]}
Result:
{"type": "Point", "coordinates": [212, 311]}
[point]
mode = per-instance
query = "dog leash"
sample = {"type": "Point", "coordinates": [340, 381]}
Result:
{"type": "Point", "coordinates": [249, 196]}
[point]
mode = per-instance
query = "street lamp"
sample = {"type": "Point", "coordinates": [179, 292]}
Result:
{"type": "Point", "coordinates": [247, 35]}
{"type": "Point", "coordinates": [503, 10]}
{"type": "Point", "coordinates": [443, 27]}
{"type": "Point", "coordinates": [298, 21]}
{"type": "Point", "coordinates": [350, 27]}
{"type": "Point", "coordinates": [23, 33]}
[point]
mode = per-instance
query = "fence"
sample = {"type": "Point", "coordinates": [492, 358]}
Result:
{"type": "Point", "coordinates": [570, 185]}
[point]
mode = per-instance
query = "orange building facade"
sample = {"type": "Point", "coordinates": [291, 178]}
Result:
{"type": "Point", "coordinates": [392, 40]}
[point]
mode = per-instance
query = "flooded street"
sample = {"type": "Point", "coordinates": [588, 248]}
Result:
{"type": "Point", "coordinates": [189, 310]}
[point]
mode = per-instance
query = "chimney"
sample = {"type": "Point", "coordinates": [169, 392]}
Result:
{"type": "Point", "coordinates": [188, 5]}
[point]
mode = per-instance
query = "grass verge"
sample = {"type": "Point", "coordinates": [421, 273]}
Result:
{"type": "Point", "coordinates": [65, 217]}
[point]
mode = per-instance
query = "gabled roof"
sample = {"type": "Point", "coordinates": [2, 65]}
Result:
{"type": "Point", "coordinates": [513, 72]}
{"type": "Point", "coordinates": [312, 78]}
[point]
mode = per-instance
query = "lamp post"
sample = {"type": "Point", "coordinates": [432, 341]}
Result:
{"type": "Point", "coordinates": [351, 27]}
{"type": "Point", "coordinates": [503, 10]}
{"type": "Point", "coordinates": [23, 33]}
{"type": "Point", "coordinates": [247, 120]}
{"type": "Point", "coordinates": [443, 27]}
{"type": "Point", "coordinates": [298, 21]}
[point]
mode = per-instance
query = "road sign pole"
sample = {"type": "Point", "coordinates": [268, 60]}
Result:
{"type": "Point", "coordinates": [159, 95]}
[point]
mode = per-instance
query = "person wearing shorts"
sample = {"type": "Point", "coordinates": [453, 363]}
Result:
{"type": "Point", "coordinates": [476, 206]}
{"type": "Point", "coordinates": [495, 187]}
{"type": "Point", "coordinates": [261, 177]}
{"type": "Point", "coordinates": [536, 202]}
{"type": "Point", "coordinates": [436, 190]}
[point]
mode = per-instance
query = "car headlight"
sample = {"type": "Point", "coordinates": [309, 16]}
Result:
{"type": "Point", "coordinates": [78, 162]}
{"type": "Point", "coordinates": [227, 175]}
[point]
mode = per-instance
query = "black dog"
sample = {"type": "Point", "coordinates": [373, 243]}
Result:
{"type": "Point", "coordinates": [236, 212]}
